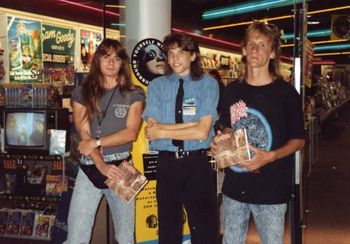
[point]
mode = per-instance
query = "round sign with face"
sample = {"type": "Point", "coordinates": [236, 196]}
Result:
{"type": "Point", "coordinates": [148, 60]}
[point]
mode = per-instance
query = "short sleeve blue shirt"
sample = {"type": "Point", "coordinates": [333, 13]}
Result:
{"type": "Point", "coordinates": [202, 95]}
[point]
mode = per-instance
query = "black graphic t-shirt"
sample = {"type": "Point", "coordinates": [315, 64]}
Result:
{"type": "Point", "coordinates": [272, 115]}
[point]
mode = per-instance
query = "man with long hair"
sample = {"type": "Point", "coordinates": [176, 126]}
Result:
{"type": "Point", "coordinates": [270, 110]}
{"type": "Point", "coordinates": [107, 112]}
{"type": "Point", "coordinates": [184, 174]}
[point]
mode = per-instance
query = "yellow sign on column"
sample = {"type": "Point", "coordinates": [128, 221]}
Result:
{"type": "Point", "coordinates": [146, 217]}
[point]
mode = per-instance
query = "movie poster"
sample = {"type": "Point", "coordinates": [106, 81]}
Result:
{"type": "Point", "coordinates": [89, 42]}
{"type": "Point", "coordinates": [25, 50]}
{"type": "Point", "coordinates": [58, 55]}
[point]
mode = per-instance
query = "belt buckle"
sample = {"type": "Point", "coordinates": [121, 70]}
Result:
{"type": "Point", "coordinates": [181, 154]}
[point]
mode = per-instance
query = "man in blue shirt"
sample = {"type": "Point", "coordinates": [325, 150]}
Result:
{"type": "Point", "coordinates": [184, 174]}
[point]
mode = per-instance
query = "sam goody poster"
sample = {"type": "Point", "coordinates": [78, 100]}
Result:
{"type": "Point", "coordinates": [58, 57]}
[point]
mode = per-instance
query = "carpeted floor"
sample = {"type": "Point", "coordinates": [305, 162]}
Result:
{"type": "Point", "coordinates": [328, 186]}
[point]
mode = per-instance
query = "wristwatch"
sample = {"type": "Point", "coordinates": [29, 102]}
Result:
{"type": "Point", "coordinates": [98, 142]}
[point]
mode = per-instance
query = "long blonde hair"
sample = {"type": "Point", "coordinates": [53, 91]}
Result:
{"type": "Point", "coordinates": [272, 32]}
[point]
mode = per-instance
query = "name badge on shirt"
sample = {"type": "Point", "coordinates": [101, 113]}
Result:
{"type": "Point", "coordinates": [189, 106]}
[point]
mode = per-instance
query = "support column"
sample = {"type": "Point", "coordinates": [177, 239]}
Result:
{"type": "Point", "coordinates": [145, 19]}
{"type": "Point", "coordinates": [297, 201]}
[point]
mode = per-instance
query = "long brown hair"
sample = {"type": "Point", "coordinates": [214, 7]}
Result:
{"type": "Point", "coordinates": [92, 88]}
{"type": "Point", "coordinates": [185, 43]}
{"type": "Point", "coordinates": [272, 32]}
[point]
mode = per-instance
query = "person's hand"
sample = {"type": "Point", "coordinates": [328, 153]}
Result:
{"type": "Point", "coordinates": [214, 144]}
{"type": "Point", "coordinates": [152, 130]}
{"type": "Point", "coordinates": [111, 171]}
{"type": "Point", "coordinates": [86, 147]}
{"type": "Point", "coordinates": [260, 159]}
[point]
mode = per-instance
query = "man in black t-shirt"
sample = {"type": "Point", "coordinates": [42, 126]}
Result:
{"type": "Point", "coordinates": [270, 110]}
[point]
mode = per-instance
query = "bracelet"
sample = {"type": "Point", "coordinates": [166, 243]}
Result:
{"type": "Point", "coordinates": [98, 142]}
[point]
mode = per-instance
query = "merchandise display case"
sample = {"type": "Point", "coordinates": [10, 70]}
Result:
{"type": "Point", "coordinates": [33, 173]}
{"type": "Point", "coordinates": [227, 63]}
{"type": "Point", "coordinates": [32, 188]}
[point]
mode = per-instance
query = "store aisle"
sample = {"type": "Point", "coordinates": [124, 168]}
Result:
{"type": "Point", "coordinates": [328, 186]}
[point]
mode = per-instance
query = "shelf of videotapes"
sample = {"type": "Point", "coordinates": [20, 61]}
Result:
{"type": "Point", "coordinates": [25, 224]}
{"type": "Point", "coordinates": [30, 187]}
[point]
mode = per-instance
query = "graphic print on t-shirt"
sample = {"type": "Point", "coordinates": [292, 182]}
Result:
{"type": "Point", "coordinates": [258, 129]}
{"type": "Point", "coordinates": [120, 110]}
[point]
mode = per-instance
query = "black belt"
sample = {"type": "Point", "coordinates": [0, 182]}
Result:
{"type": "Point", "coordinates": [118, 162]}
{"type": "Point", "coordinates": [184, 154]}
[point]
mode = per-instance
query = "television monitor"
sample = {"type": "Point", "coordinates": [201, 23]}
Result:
{"type": "Point", "coordinates": [26, 130]}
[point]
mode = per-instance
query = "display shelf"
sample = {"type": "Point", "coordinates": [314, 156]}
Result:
{"type": "Point", "coordinates": [10, 240]}
{"type": "Point", "coordinates": [326, 113]}
{"type": "Point", "coordinates": [30, 191]}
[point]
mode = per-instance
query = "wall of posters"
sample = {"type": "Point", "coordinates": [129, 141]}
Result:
{"type": "Point", "coordinates": [25, 50]}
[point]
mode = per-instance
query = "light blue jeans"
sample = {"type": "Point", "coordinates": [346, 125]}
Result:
{"type": "Point", "coordinates": [85, 200]}
{"type": "Point", "coordinates": [269, 221]}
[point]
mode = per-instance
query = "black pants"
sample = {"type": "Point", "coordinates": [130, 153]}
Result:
{"type": "Point", "coordinates": [186, 182]}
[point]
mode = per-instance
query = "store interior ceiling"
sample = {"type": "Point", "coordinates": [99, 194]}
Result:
{"type": "Point", "coordinates": [187, 15]}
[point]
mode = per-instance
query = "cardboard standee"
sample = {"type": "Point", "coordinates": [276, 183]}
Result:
{"type": "Point", "coordinates": [146, 223]}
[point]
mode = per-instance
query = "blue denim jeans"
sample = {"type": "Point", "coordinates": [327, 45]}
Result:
{"type": "Point", "coordinates": [269, 220]}
{"type": "Point", "coordinates": [85, 200]}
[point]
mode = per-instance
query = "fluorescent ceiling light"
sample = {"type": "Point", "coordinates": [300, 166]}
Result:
{"type": "Point", "coordinates": [323, 62]}
{"type": "Point", "coordinates": [245, 23]}
{"type": "Point", "coordinates": [331, 54]}
{"type": "Point", "coordinates": [310, 34]}
{"type": "Point", "coordinates": [318, 42]}
{"type": "Point", "coordinates": [274, 18]}
{"type": "Point", "coordinates": [217, 40]}
{"type": "Point", "coordinates": [114, 6]}
{"type": "Point", "coordinates": [118, 24]}
{"type": "Point", "coordinates": [328, 10]}
{"type": "Point", "coordinates": [332, 47]}
{"type": "Point", "coordinates": [208, 38]}
{"type": "Point", "coordinates": [288, 45]}
{"type": "Point", "coordinates": [330, 41]}
{"type": "Point", "coordinates": [247, 8]}
{"type": "Point", "coordinates": [88, 7]}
